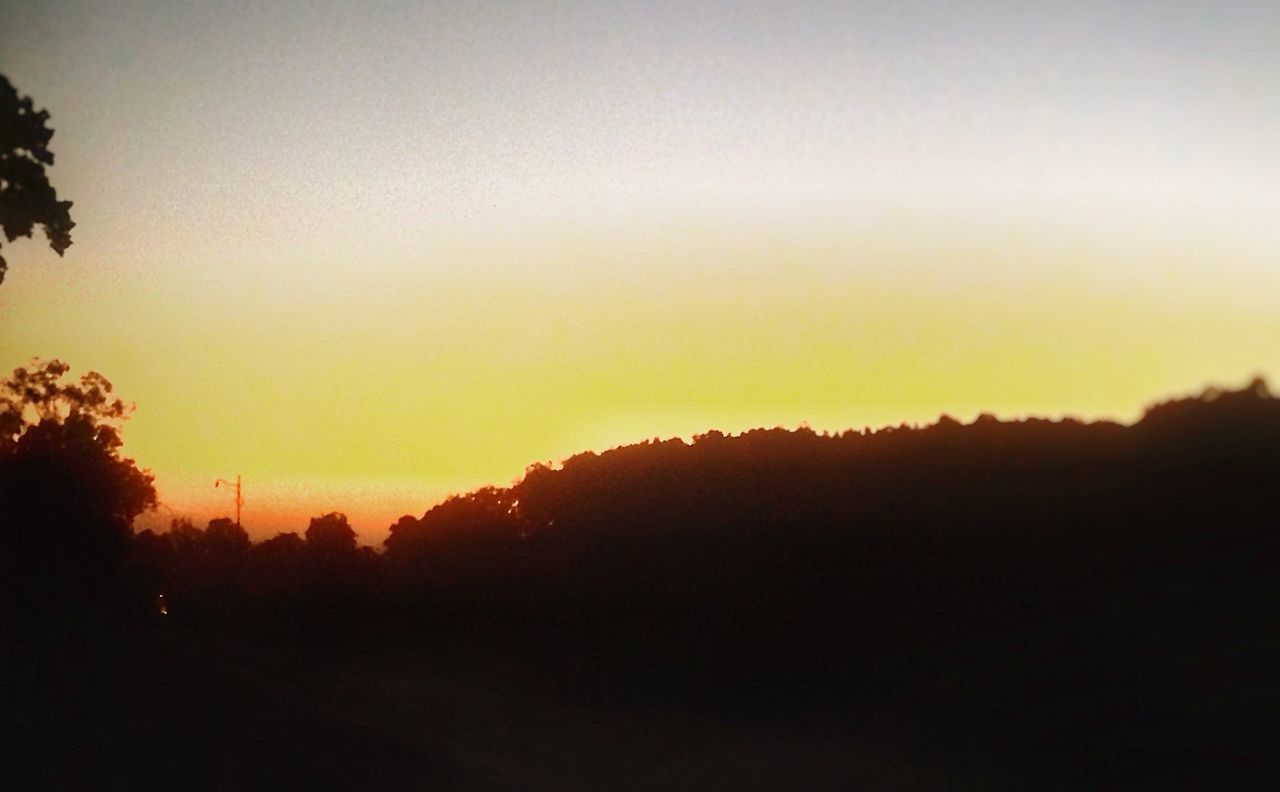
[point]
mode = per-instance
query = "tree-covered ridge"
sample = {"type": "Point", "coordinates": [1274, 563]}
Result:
{"type": "Point", "coordinates": [1020, 483]}
{"type": "Point", "coordinates": [1018, 602]}
{"type": "Point", "coordinates": [729, 483]}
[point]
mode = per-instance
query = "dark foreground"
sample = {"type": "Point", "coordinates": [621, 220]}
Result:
{"type": "Point", "coordinates": [170, 706]}
{"type": "Point", "coordinates": [996, 606]}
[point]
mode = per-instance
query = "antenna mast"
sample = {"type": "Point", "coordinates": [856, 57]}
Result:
{"type": "Point", "coordinates": [239, 496]}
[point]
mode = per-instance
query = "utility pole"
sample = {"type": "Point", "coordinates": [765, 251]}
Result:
{"type": "Point", "coordinates": [239, 497]}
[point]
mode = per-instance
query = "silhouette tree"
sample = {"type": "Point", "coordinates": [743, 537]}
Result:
{"type": "Point", "coordinates": [67, 495]}
{"type": "Point", "coordinates": [331, 535]}
{"type": "Point", "coordinates": [225, 538]}
{"type": "Point", "coordinates": [283, 545]}
{"type": "Point", "coordinates": [185, 537]}
{"type": "Point", "coordinates": [26, 197]}
{"type": "Point", "coordinates": [72, 433]}
{"type": "Point", "coordinates": [470, 523]}
{"type": "Point", "coordinates": [277, 564]}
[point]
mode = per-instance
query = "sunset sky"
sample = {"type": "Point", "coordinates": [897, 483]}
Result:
{"type": "Point", "coordinates": [370, 256]}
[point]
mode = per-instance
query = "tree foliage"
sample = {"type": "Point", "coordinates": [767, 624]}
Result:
{"type": "Point", "coordinates": [225, 538]}
{"type": "Point", "coordinates": [27, 199]}
{"type": "Point", "coordinates": [331, 534]}
{"type": "Point", "coordinates": [66, 491]}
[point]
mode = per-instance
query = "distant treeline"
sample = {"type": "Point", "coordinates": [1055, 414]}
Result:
{"type": "Point", "coordinates": [772, 516]}
{"type": "Point", "coordinates": [1094, 599]}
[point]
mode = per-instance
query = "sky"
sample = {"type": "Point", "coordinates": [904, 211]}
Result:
{"type": "Point", "coordinates": [370, 256]}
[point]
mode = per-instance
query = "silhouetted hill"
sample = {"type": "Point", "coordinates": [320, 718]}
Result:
{"type": "Point", "coordinates": [1089, 600]}
{"type": "Point", "coordinates": [1008, 604]}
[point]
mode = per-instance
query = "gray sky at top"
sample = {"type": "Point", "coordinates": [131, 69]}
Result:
{"type": "Point", "coordinates": [432, 108]}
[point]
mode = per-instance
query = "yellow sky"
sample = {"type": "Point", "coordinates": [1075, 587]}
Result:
{"type": "Point", "coordinates": [378, 397]}
{"type": "Point", "coordinates": [368, 258]}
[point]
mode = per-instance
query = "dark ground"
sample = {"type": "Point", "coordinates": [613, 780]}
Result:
{"type": "Point", "coordinates": [1026, 605]}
